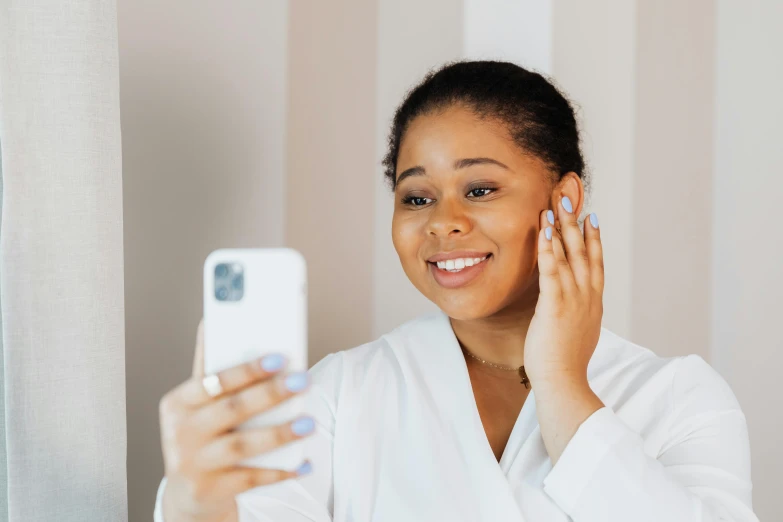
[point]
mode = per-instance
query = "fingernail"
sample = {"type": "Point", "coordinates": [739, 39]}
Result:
{"type": "Point", "coordinates": [272, 362]}
{"type": "Point", "coordinates": [550, 216]}
{"type": "Point", "coordinates": [305, 468]}
{"type": "Point", "coordinates": [303, 426]}
{"type": "Point", "coordinates": [548, 233]}
{"type": "Point", "coordinates": [594, 220]}
{"type": "Point", "coordinates": [567, 204]}
{"type": "Point", "coordinates": [296, 381]}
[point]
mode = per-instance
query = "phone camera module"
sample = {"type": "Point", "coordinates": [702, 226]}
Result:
{"type": "Point", "coordinates": [229, 282]}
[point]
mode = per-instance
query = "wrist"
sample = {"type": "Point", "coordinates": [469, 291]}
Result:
{"type": "Point", "coordinates": [559, 382]}
{"type": "Point", "coordinates": [569, 397]}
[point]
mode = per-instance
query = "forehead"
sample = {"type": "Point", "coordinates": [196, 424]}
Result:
{"type": "Point", "coordinates": [438, 138]}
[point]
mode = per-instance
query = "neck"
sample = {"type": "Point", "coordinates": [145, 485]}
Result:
{"type": "Point", "coordinates": [499, 338]}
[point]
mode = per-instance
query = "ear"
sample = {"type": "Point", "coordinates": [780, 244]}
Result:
{"type": "Point", "coordinates": [570, 185]}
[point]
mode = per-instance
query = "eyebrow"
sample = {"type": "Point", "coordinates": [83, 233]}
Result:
{"type": "Point", "coordinates": [459, 164]}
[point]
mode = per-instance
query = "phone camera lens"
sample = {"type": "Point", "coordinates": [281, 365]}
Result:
{"type": "Point", "coordinates": [221, 293]}
{"type": "Point", "coordinates": [221, 270]}
{"type": "Point", "coordinates": [237, 282]}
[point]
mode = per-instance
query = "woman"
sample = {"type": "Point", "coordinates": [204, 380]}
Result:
{"type": "Point", "coordinates": [512, 403]}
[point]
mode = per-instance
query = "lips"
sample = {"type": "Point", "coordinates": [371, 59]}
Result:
{"type": "Point", "coordinates": [465, 254]}
{"type": "Point", "coordinates": [457, 278]}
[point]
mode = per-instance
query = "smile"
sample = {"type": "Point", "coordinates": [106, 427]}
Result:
{"type": "Point", "coordinates": [457, 265]}
{"type": "Point", "coordinates": [458, 272]}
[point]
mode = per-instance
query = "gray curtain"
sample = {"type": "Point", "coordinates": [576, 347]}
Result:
{"type": "Point", "coordinates": [61, 264]}
{"type": "Point", "coordinates": [3, 457]}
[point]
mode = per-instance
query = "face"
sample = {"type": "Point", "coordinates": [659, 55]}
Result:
{"type": "Point", "coordinates": [466, 213]}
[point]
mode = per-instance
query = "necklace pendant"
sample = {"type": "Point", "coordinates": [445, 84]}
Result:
{"type": "Point", "coordinates": [523, 376]}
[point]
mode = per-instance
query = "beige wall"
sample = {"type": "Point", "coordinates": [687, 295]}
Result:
{"type": "Point", "coordinates": [672, 225]}
{"type": "Point", "coordinates": [258, 126]}
{"type": "Point", "coordinates": [747, 247]}
{"type": "Point", "coordinates": [203, 92]}
{"type": "Point", "coordinates": [330, 165]}
{"type": "Point", "coordinates": [593, 61]}
{"type": "Point", "coordinates": [401, 62]}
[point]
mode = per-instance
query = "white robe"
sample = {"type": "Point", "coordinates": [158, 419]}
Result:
{"type": "Point", "coordinates": [399, 439]}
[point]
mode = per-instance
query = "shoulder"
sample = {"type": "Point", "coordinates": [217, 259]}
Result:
{"type": "Point", "coordinates": [371, 362]}
{"type": "Point", "coordinates": [378, 351]}
{"type": "Point", "coordinates": [619, 360]}
{"type": "Point", "coordinates": [684, 385]}
{"type": "Point", "coordinates": [696, 385]}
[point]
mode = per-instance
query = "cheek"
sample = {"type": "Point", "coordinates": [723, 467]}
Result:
{"type": "Point", "coordinates": [406, 238]}
{"type": "Point", "coordinates": [515, 234]}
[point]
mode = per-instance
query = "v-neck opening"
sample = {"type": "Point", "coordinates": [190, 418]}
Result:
{"type": "Point", "coordinates": [438, 352]}
{"type": "Point", "coordinates": [520, 433]}
{"type": "Point", "coordinates": [513, 442]}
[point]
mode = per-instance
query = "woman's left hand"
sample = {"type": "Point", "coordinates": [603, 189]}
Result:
{"type": "Point", "coordinates": [566, 325]}
{"type": "Point", "coordinates": [565, 328]}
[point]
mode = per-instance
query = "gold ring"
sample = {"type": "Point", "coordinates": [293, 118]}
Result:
{"type": "Point", "coordinates": [212, 386]}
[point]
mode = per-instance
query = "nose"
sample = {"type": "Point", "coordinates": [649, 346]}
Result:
{"type": "Point", "coordinates": [448, 218]}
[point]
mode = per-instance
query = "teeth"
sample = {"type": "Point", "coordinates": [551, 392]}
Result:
{"type": "Point", "coordinates": [455, 265]}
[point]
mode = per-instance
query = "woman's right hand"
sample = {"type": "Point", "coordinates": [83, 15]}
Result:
{"type": "Point", "coordinates": [201, 450]}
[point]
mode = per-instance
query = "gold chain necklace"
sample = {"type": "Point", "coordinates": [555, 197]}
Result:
{"type": "Point", "coordinates": [521, 369]}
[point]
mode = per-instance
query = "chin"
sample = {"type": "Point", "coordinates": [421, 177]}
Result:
{"type": "Point", "coordinates": [484, 298]}
{"type": "Point", "coordinates": [466, 307]}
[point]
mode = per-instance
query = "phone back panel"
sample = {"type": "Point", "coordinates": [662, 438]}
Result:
{"type": "Point", "coordinates": [268, 314]}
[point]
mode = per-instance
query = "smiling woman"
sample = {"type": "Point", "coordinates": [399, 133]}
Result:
{"type": "Point", "coordinates": [430, 421]}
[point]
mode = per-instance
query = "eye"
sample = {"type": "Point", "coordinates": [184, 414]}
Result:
{"type": "Point", "coordinates": [416, 201]}
{"type": "Point", "coordinates": [479, 192]}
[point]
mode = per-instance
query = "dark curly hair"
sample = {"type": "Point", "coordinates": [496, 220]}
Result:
{"type": "Point", "coordinates": [539, 117]}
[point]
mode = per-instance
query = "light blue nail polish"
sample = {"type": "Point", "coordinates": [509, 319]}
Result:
{"type": "Point", "coordinates": [296, 381]}
{"type": "Point", "coordinates": [303, 426]}
{"type": "Point", "coordinates": [567, 204]}
{"type": "Point", "coordinates": [272, 362]}
{"type": "Point", "coordinates": [548, 233]}
{"type": "Point", "coordinates": [550, 216]}
{"type": "Point", "coordinates": [304, 469]}
{"type": "Point", "coordinates": [594, 220]}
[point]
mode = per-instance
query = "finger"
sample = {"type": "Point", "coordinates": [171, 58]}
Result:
{"type": "Point", "coordinates": [192, 393]}
{"type": "Point", "coordinates": [239, 445]}
{"type": "Point", "coordinates": [573, 242]}
{"type": "Point", "coordinates": [595, 253]}
{"type": "Point", "coordinates": [547, 219]}
{"type": "Point", "coordinates": [567, 281]}
{"type": "Point", "coordinates": [548, 274]}
{"type": "Point", "coordinates": [198, 358]}
{"type": "Point", "coordinates": [245, 478]}
{"type": "Point", "coordinates": [226, 485]}
{"type": "Point", "coordinates": [232, 410]}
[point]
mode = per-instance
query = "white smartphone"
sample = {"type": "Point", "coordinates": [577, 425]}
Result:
{"type": "Point", "coordinates": [255, 303]}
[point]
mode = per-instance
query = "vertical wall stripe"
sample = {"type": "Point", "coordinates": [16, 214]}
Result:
{"type": "Point", "coordinates": [203, 95]}
{"type": "Point", "coordinates": [330, 164]}
{"type": "Point", "coordinates": [672, 176]}
{"type": "Point", "coordinates": [432, 37]}
{"type": "Point", "coordinates": [594, 62]}
{"type": "Point", "coordinates": [747, 252]}
{"type": "Point", "coordinates": [520, 32]}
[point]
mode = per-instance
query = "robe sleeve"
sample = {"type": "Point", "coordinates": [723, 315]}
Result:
{"type": "Point", "coordinates": [309, 498]}
{"type": "Point", "coordinates": [700, 474]}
